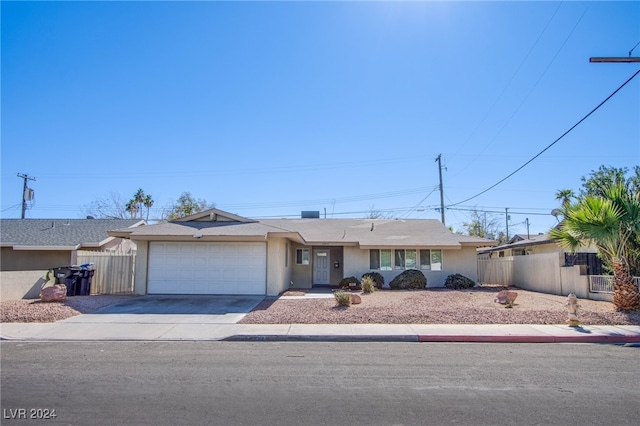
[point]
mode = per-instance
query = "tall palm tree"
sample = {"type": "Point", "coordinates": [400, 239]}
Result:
{"type": "Point", "coordinates": [132, 208]}
{"type": "Point", "coordinates": [148, 202]}
{"type": "Point", "coordinates": [611, 222]}
{"type": "Point", "coordinates": [565, 196]}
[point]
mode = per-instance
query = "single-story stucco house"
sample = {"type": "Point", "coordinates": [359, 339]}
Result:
{"type": "Point", "coordinates": [216, 252]}
{"type": "Point", "coordinates": [41, 244]}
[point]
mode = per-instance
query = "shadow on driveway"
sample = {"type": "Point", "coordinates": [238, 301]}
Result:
{"type": "Point", "coordinates": [184, 305]}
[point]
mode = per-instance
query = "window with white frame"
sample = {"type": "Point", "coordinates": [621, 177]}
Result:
{"type": "Point", "coordinates": [380, 259]}
{"type": "Point", "coordinates": [302, 256]}
{"type": "Point", "coordinates": [386, 260]}
{"type": "Point", "coordinates": [405, 259]}
{"type": "Point", "coordinates": [431, 260]}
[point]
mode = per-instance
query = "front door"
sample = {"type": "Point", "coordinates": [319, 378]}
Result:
{"type": "Point", "coordinates": [321, 270]}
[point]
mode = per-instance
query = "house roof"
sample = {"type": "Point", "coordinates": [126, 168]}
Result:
{"type": "Point", "coordinates": [519, 241]}
{"type": "Point", "coordinates": [59, 234]}
{"type": "Point", "coordinates": [362, 232]}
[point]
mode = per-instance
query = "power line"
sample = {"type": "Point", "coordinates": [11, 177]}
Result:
{"type": "Point", "coordinates": [554, 142]}
{"type": "Point", "coordinates": [521, 104]}
{"type": "Point", "coordinates": [504, 89]}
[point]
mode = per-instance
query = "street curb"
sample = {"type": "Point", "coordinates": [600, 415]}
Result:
{"type": "Point", "coordinates": [319, 338]}
{"type": "Point", "coordinates": [531, 339]}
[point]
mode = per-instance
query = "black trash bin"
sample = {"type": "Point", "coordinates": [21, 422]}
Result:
{"type": "Point", "coordinates": [85, 281]}
{"type": "Point", "coordinates": [76, 278]}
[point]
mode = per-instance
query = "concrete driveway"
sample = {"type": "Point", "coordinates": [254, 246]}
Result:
{"type": "Point", "coordinates": [174, 309]}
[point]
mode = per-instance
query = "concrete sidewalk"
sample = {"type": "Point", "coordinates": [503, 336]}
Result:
{"type": "Point", "coordinates": [181, 328]}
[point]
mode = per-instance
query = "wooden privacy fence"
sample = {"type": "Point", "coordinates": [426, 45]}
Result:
{"type": "Point", "coordinates": [113, 272]}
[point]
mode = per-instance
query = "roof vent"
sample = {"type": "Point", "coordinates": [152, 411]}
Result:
{"type": "Point", "coordinates": [310, 214]}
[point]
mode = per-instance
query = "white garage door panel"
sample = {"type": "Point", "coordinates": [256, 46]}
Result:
{"type": "Point", "coordinates": [207, 268]}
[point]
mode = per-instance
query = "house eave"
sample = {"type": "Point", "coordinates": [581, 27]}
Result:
{"type": "Point", "coordinates": [46, 248]}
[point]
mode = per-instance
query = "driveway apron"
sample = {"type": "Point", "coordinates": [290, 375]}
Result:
{"type": "Point", "coordinates": [174, 309]}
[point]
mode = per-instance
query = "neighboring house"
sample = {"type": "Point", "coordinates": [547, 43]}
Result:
{"type": "Point", "coordinates": [41, 244]}
{"type": "Point", "coordinates": [523, 245]}
{"type": "Point", "coordinates": [520, 245]}
{"type": "Point", "coordinates": [215, 252]}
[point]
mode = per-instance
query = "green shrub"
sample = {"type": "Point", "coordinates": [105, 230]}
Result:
{"type": "Point", "coordinates": [458, 282]}
{"type": "Point", "coordinates": [377, 278]}
{"type": "Point", "coordinates": [342, 298]}
{"type": "Point", "coordinates": [345, 283]}
{"type": "Point", "coordinates": [368, 285]}
{"type": "Point", "coordinates": [409, 279]}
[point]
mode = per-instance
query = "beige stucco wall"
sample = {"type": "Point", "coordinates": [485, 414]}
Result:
{"type": "Point", "coordinates": [142, 262]}
{"type": "Point", "coordinates": [33, 260]}
{"type": "Point", "coordinates": [462, 261]}
{"type": "Point", "coordinates": [572, 282]}
{"type": "Point", "coordinates": [278, 266]}
{"type": "Point", "coordinates": [16, 285]}
{"type": "Point", "coordinates": [120, 246]}
{"type": "Point", "coordinates": [538, 273]}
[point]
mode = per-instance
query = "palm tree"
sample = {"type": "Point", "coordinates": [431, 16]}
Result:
{"type": "Point", "coordinates": [132, 208]}
{"type": "Point", "coordinates": [565, 195]}
{"type": "Point", "coordinates": [611, 222]}
{"type": "Point", "coordinates": [148, 202]}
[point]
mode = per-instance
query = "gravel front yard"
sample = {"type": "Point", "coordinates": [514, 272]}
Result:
{"type": "Point", "coordinates": [431, 306]}
{"type": "Point", "coordinates": [437, 306]}
{"type": "Point", "coordinates": [31, 310]}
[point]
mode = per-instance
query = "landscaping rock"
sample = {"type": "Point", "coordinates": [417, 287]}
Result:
{"type": "Point", "coordinates": [355, 299]}
{"type": "Point", "coordinates": [56, 293]}
{"type": "Point", "coordinates": [506, 296]}
{"type": "Point", "coordinates": [410, 279]}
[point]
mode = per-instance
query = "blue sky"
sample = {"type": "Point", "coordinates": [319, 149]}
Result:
{"type": "Point", "coordinates": [270, 108]}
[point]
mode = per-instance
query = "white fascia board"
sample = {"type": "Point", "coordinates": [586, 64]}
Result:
{"type": "Point", "coordinates": [46, 248]}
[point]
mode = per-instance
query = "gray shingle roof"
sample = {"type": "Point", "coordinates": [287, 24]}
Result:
{"type": "Point", "coordinates": [363, 232]}
{"type": "Point", "coordinates": [59, 232]}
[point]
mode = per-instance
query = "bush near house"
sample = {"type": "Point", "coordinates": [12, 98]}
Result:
{"type": "Point", "coordinates": [377, 278]}
{"type": "Point", "coordinates": [368, 285]}
{"type": "Point", "coordinates": [458, 282]}
{"type": "Point", "coordinates": [410, 279]}
{"type": "Point", "coordinates": [345, 283]}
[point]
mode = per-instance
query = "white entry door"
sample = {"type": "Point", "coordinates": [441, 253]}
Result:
{"type": "Point", "coordinates": [321, 267]}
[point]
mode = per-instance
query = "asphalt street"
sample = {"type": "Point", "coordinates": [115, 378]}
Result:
{"type": "Point", "coordinates": [314, 383]}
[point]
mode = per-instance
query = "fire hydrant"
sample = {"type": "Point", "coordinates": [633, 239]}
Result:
{"type": "Point", "coordinates": [573, 306]}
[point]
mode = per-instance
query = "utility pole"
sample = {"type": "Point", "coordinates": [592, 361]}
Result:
{"type": "Point", "coordinates": [527, 222]}
{"type": "Point", "coordinates": [439, 160]}
{"type": "Point", "coordinates": [26, 196]}
{"type": "Point", "coordinates": [506, 216]}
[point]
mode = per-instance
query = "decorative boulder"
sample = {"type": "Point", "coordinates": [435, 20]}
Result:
{"type": "Point", "coordinates": [355, 299]}
{"type": "Point", "coordinates": [506, 296]}
{"type": "Point", "coordinates": [409, 279]}
{"type": "Point", "coordinates": [56, 293]}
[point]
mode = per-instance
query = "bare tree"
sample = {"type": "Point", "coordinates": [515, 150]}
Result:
{"type": "Point", "coordinates": [109, 207]}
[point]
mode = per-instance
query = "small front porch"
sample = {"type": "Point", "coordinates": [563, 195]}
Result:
{"type": "Point", "coordinates": [317, 267]}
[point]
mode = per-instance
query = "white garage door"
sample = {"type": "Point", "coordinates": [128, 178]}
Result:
{"type": "Point", "coordinates": [207, 268]}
